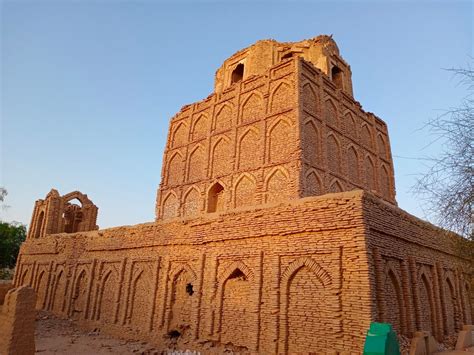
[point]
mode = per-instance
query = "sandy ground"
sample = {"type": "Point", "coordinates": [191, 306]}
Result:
{"type": "Point", "coordinates": [58, 336]}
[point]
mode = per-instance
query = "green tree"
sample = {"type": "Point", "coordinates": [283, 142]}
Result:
{"type": "Point", "coordinates": [11, 236]}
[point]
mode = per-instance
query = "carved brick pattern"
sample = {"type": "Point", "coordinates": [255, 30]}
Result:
{"type": "Point", "coordinates": [253, 108]}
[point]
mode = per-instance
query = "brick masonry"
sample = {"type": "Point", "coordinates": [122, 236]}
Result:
{"type": "Point", "coordinates": [276, 225]}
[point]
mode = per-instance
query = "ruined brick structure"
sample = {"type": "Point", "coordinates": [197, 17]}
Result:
{"type": "Point", "coordinates": [276, 229]}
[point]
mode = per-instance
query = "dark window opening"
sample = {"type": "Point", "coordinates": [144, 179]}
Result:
{"type": "Point", "coordinates": [173, 334]}
{"type": "Point", "coordinates": [287, 56]}
{"type": "Point", "coordinates": [337, 78]}
{"type": "Point", "coordinates": [238, 274]}
{"type": "Point", "coordinates": [39, 226]}
{"type": "Point", "coordinates": [238, 73]}
{"type": "Point", "coordinates": [215, 198]}
{"type": "Point", "coordinates": [189, 289]}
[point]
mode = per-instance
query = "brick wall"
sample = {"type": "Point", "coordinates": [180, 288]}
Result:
{"type": "Point", "coordinates": [300, 276]}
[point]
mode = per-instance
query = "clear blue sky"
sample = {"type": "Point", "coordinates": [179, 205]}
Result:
{"type": "Point", "coordinates": [88, 87]}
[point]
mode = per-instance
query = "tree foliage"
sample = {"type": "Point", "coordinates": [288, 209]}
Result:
{"type": "Point", "coordinates": [448, 185]}
{"type": "Point", "coordinates": [11, 236]}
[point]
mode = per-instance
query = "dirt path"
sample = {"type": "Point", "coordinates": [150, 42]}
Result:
{"type": "Point", "coordinates": [59, 336]}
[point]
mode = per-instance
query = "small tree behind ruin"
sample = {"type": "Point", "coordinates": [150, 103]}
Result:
{"type": "Point", "coordinates": [448, 185]}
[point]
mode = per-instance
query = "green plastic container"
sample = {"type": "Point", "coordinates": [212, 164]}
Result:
{"type": "Point", "coordinates": [381, 340]}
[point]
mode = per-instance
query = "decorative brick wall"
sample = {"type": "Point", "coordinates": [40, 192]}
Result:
{"type": "Point", "coordinates": [307, 275]}
{"type": "Point", "coordinates": [286, 132]}
{"type": "Point", "coordinates": [276, 226]}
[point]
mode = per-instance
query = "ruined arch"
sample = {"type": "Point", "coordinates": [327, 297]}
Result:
{"type": "Point", "coordinates": [170, 205]}
{"type": "Point", "coordinates": [248, 149]}
{"type": "Point", "coordinates": [192, 203]}
{"type": "Point", "coordinates": [276, 185]}
{"type": "Point", "coordinates": [175, 169]}
{"type": "Point", "coordinates": [245, 190]}
{"type": "Point", "coordinates": [281, 97]}
{"type": "Point", "coordinates": [252, 108]}
{"type": "Point", "coordinates": [237, 73]}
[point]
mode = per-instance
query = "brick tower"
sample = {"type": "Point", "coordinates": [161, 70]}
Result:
{"type": "Point", "coordinates": [282, 124]}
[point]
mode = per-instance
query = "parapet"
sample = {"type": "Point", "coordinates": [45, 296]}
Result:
{"type": "Point", "coordinates": [321, 51]}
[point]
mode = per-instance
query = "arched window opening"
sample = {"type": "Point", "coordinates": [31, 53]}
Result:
{"type": "Point", "coordinates": [238, 73]}
{"type": "Point", "coordinates": [72, 215]}
{"type": "Point", "coordinates": [39, 225]}
{"type": "Point", "coordinates": [337, 78]}
{"type": "Point", "coordinates": [237, 274]}
{"type": "Point", "coordinates": [215, 200]}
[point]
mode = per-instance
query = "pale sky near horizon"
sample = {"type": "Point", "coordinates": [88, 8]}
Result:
{"type": "Point", "coordinates": [88, 87]}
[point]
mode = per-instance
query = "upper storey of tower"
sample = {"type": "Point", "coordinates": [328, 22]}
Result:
{"type": "Point", "coordinates": [282, 124]}
{"type": "Point", "coordinates": [257, 59]}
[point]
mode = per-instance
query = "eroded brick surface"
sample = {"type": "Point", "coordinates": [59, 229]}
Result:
{"type": "Point", "coordinates": [264, 239]}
